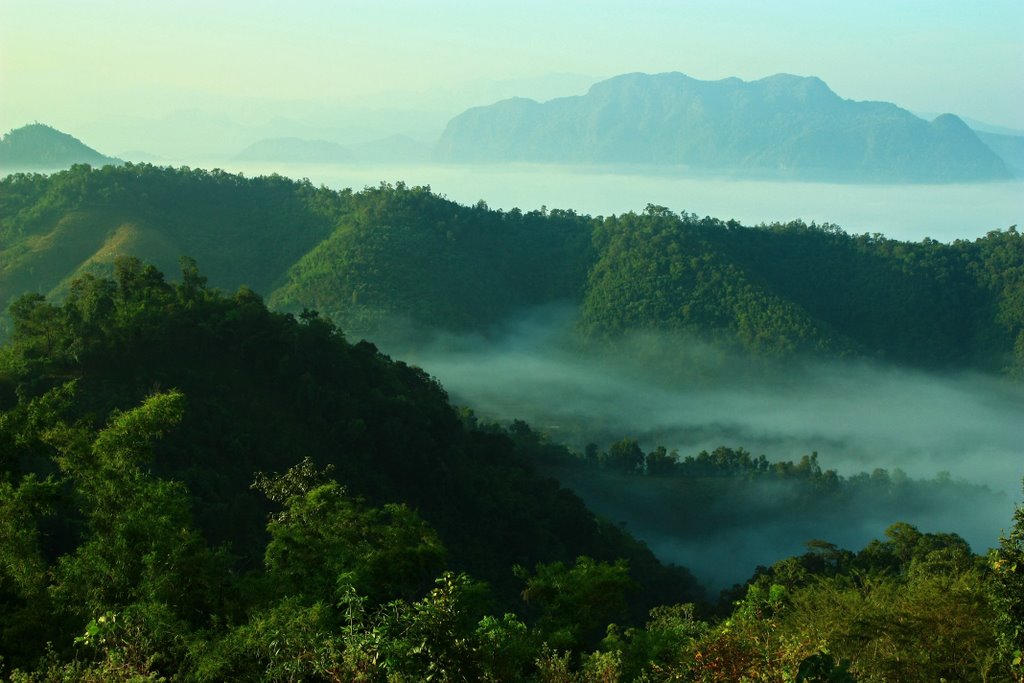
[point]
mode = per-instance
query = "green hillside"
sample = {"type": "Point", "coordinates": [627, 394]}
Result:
{"type": "Point", "coordinates": [397, 257]}
{"type": "Point", "coordinates": [195, 488]}
{"type": "Point", "coordinates": [260, 391]}
{"type": "Point", "coordinates": [407, 253]}
{"type": "Point", "coordinates": [781, 289]}
{"type": "Point", "coordinates": [243, 231]}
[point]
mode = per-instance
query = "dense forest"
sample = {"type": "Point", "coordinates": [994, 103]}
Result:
{"type": "Point", "coordinates": [199, 485]}
{"type": "Point", "coordinates": [394, 258]}
{"type": "Point", "coordinates": [194, 487]}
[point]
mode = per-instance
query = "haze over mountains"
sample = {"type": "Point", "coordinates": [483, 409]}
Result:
{"type": "Point", "coordinates": [39, 147]}
{"type": "Point", "coordinates": [782, 127]}
{"type": "Point", "coordinates": [1009, 147]}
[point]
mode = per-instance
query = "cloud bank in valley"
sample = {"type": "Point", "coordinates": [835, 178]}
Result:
{"type": "Point", "coordinates": [857, 415]}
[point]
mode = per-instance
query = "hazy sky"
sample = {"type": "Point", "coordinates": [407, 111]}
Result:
{"type": "Point", "coordinates": [74, 61]}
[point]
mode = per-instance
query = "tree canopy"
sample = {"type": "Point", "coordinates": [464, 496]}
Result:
{"type": "Point", "coordinates": [392, 257]}
{"type": "Point", "coordinates": [195, 488]}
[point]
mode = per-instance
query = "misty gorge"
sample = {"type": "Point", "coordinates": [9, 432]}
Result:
{"type": "Point", "coordinates": [946, 444]}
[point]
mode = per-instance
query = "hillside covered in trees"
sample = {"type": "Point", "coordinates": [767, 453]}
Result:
{"type": "Point", "coordinates": [395, 257]}
{"type": "Point", "coordinates": [195, 488]}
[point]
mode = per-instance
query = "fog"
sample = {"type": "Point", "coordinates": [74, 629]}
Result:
{"type": "Point", "coordinates": [665, 390]}
{"type": "Point", "coordinates": [908, 212]}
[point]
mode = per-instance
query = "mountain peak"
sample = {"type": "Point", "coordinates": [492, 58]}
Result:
{"type": "Point", "coordinates": [782, 126]}
{"type": "Point", "coordinates": [793, 79]}
{"type": "Point", "coordinates": [951, 122]}
{"type": "Point", "coordinates": [38, 146]}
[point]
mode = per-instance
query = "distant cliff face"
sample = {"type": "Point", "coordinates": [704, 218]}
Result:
{"type": "Point", "coordinates": [40, 147]}
{"type": "Point", "coordinates": [780, 127]}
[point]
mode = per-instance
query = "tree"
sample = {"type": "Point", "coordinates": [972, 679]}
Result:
{"type": "Point", "coordinates": [661, 462]}
{"type": "Point", "coordinates": [1007, 563]}
{"type": "Point", "coordinates": [323, 534]}
{"type": "Point", "coordinates": [576, 603]}
{"type": "Point", "coordinates": [625, 456]}
{"type": "Point", "coordinates": [134, 576]}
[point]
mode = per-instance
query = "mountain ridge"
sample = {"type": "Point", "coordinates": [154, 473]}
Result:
{"type": "Point", "coordinates": [374, 258]}
{"type": "Point", "coordinates": [781, 126]}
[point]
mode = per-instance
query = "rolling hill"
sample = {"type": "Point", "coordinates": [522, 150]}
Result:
{"type": "Point", "coordinates": [398, 257]}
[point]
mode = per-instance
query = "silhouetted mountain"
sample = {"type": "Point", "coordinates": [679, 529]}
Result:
{"type": "Point", "coordinates": [783, 126]}
{"type": "Point", "coordinates": [1010, 149]}
{"type": "Point", "coordinates": [40, 147]}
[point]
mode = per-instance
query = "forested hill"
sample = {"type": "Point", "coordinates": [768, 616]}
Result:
{"type": "Point", "coordinates": [392, 256]}
{"type": "Point", "coordinates": [241, 230]}
{"type": "Point", "coordinates": [195, 488]}
{"type": "Point", "coordinates": [782, 126]}
{"type": "Point", "coordinates": [229, 390]}
{"type": "Point", "coordinates": [41, 147]}
{"type": "Point", "coordinates": [787, 288]}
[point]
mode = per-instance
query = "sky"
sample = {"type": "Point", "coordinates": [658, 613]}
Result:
{"type": "Point", "coordinates": [75, 64]}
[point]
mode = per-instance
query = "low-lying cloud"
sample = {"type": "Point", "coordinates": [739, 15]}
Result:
{"type": "Point", "coordinates": [684, 395]}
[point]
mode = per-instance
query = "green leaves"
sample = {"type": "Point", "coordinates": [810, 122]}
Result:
{"type": "Point", "coordinates": [576, 603]}
{"type": "Point", "coordinates": [323, 534]}
{"type": "Point", "coordinates": [1007, 564]}
{"type": "Point", "coordinates": [128, 439]}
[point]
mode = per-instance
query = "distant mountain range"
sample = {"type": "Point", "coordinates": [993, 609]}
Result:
{"type": "Point", "coordinates": [1009, 147]}
{"type": "Point", "coordinates": [782, 126]}
{"type": "Point", "coordinates": [40, 147]}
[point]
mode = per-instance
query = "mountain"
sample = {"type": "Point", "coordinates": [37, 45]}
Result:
{"type": "Point", "coordinates": [38, 147]}
{"type": "Point", "coordinates": [785, 289]}
{"type": "Point", "coordinates": [985, 127]}
{"type": "Point", "coordinates": [1009, 147]}
{"type": "Point", "coordinates": [406, 253]}
{"type": "Point", "coordinates": [295, 150]}
{"type": "Point", "coordinates": [401, 258]}
{"type": "Point", "coordinates": [782, 126]}
{"type": "Point", "coordinates": [195, 488]}
{"type": "Point", "coordinates": [244, 231]}
{"type": "Point", "coordinates": [257, 392]}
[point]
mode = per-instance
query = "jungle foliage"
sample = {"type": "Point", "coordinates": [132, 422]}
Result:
{"type": "Point", "coordinates": [394, 257]}
{"type": "Point", "coordinates": [195, 488]}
